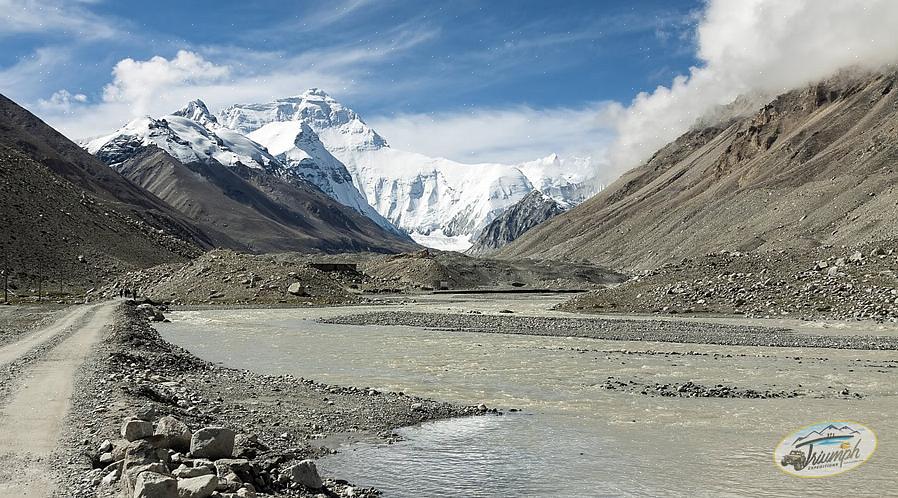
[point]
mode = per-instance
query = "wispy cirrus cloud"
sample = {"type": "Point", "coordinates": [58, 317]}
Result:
{"type": "Point", "coordinates": [54, 17]}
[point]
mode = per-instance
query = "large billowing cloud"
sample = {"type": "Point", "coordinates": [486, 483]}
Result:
{"type": "Point", "coordinates": [142, 84]}
{"type": "Point", "coordinates": [758, 46]}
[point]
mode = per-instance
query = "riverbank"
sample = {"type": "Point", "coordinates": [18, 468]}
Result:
{"type": "Point", "coordinates": [281, 419]}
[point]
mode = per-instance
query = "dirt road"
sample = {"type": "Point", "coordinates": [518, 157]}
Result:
{"type": "Point", "coordinates": [31, 418]}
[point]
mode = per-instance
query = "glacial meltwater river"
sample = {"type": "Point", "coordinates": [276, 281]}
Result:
{"type": "Point", "coordinates": [572, 438]}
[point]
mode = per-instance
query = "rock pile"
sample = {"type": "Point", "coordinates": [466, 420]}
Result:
{"type": "Point", "coordinates": [822, 284]}
{"type": "Point", "coordinates": [162, 458]}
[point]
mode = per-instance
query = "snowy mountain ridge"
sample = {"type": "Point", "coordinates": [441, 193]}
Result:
{"type": "Point", "coordinates": [193, 134]}
{"type": "Point", "coordinates": [440, 202]}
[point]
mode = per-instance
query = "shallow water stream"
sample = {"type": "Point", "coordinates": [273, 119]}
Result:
{"type": "Point", "coordinates": [572, 438]}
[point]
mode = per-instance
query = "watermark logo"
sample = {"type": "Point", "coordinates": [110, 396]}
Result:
{"type": "Point", "coordinates": [825, 449]}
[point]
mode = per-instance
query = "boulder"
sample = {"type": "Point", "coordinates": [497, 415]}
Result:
{"type": "Point", "coordinates": [154, 485]}
{"type": "Point", "coordinates": [130, 474]}
{"type": "Point", "coordinates": [212, 443]}
{"type": "Point", "coordinates": [143, 455]}
{"type": "Point", "coordinates": [151, 312]}
{"type": "Point", "coordinates": [185, 472]}
{"type": "Point", "coordinates": [197, 487]}
{"type": "Point", "coordinates": [134, 429]}
{"type": "Point", "coordinates": [296, 289]}
{"type": "Point", "coordinates": [306, 474]}
{"type": "Point", "coordinates": [176, 433]}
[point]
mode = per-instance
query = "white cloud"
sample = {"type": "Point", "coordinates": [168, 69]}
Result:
{"type": "Point", "coordinates": [766, 46]}
{"type": "Point", "coordinates": [145, 84]}
{"type": "Point", "coordinates": [507, 135]}
{"type": "Point", "coordinates": [62, 101]}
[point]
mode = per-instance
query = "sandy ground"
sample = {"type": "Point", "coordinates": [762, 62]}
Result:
{"type": "Point", "coordinates": [31, 420]}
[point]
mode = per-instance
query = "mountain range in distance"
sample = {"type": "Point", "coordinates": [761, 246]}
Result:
{"type": "Point", "coordinates": [313, 139]}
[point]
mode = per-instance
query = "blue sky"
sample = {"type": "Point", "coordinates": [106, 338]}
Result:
{"type": "Point", "coordinates": [496, 80]}
{"type": "Point", "coordinates": [383, 58]}
{"type": "Point", "coordinates": [451, 54]}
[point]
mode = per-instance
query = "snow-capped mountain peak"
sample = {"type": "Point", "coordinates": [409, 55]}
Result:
{"type": "Point", "coordinates": [303, 154]}
{"type": "Point", "coordinates": [337, 125]}
{"type": "Point", "coordinates": [437, 201]}
{"type": "Point", "coordinates": [185, 139]}
{"type": "Point", "coordinates": [197, 111]}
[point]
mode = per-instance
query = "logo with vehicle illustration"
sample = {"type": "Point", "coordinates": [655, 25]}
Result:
{"type": "Point", "coordinates": [825, 449]}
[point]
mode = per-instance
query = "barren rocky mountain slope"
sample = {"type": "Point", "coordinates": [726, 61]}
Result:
{"type": "Point", "coordinates": [530, 211]}
{"type": "Point", "coordinates": [67, 217]}
{"type": "Point", "coordinates": [815, 166]}
{"type": "Point", "coordinates": [253, 210]}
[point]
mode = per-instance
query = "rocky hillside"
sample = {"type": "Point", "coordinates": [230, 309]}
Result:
{"type": "Point", "coordinates": [68, 218]}
{"type": "Point", "coordinates": [250, 209]}
{"type": "Point", "coordinates": [530, 211]}
{"type": "Point", "coordinates": [815, 166]}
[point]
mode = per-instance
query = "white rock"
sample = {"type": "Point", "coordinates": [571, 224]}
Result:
{"type": "Point", "coordinates": [134, 429]}
{"type": "Point", "coordinates": [154, 485]}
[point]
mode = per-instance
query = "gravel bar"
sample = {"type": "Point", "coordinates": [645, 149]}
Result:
{"type": "Point", "coordinates": [618, 330]}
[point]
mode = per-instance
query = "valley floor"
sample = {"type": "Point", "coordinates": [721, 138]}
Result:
{"type": "Point", "coordinates": [68, 383]}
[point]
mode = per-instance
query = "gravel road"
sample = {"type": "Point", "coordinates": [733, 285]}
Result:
{"type": "Point", "coordinates": [31, 419]}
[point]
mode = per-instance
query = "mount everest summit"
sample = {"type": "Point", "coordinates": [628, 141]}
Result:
{"type": "Point", "coordinates": [312, 138]}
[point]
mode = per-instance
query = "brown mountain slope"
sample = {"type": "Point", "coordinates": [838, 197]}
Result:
{"type": "Point", "coordinates": [816, 166]}
{"type": "Point", "coordinates": [52, 228]}
{"type": "Point", "coordinates": [251, 209]}
{"type": "Point", "coordinates": [22, 131]}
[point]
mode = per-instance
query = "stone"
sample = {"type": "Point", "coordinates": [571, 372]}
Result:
{"type": "Point", "coordinates": [154, 485]}
{"type": "Point", "coordinates": [197, 487]}
{"type": "Point", "coordinates": [237, 466]}
{"type": "Point", "coordinates": [212, 443]}
{"type": "Point", "coordinates": [857, 257]}
{"type": "Point", "coordinates": [110, 478]}
{"type": "Point", "coordinates": [146, 412]}
{"type": "Point", "coordinates": [229, 482]}
{"type": "Point", "coordinates": [106, 458]}
{"type": "Point", "coordinates": [143, 455]}
{"type": "Point", "coordinates": [246, 493]}
{"type": "Point", "coordinates": [130, 474]}
{"type": "Point", "coordinates": [177, 434]}
{"type": "Point", "coordinates": [134, 429]}
{"type": "Point", "coordinates": [185, 472]}
{"type": "Point", "coordinates": [105, 447]}
{"type": "Point", "coordinates": [306, 474]}
{"type": "Point", "coordinates": [296, 289]}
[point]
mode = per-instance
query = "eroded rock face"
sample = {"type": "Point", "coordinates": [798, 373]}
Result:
{"type": "Point", "coordinates": [212, 443]}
